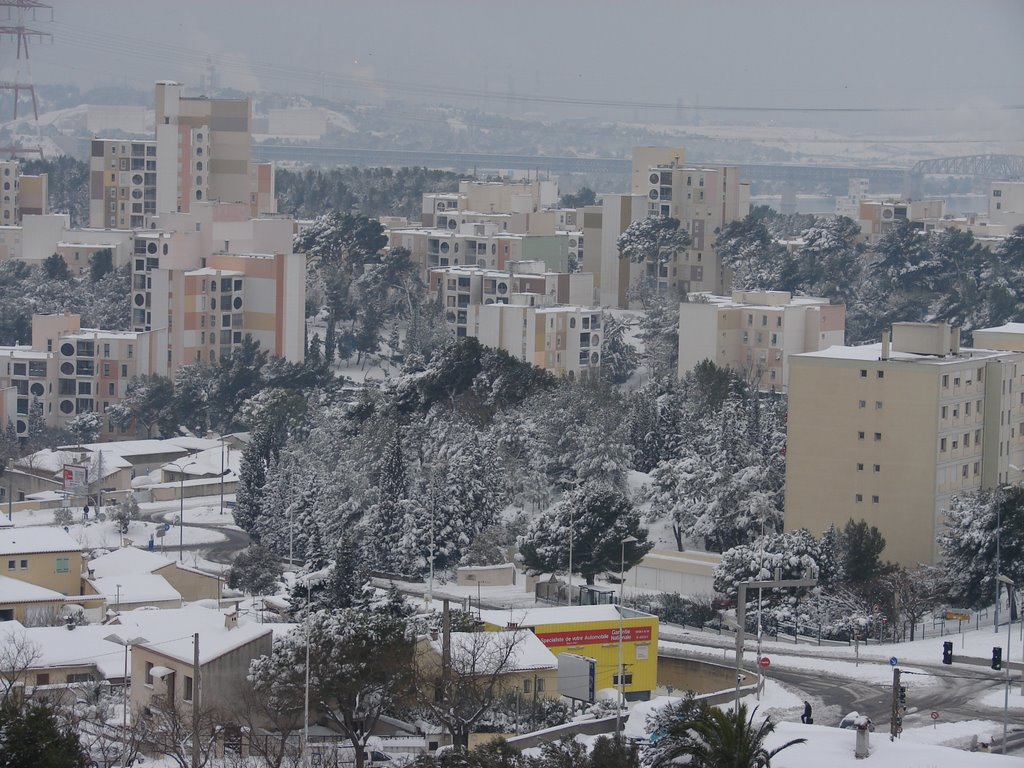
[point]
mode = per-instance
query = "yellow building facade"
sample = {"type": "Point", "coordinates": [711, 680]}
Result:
{"type": "Point", "coordinates": [593, 631]}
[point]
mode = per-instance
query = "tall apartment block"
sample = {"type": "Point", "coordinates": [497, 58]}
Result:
{"type": "Point", "coordinates": [21, 194]}
{"type": "Point", "coordinates": [889, 432]}
{"type": "Point", "coordinates": [69, 370]}
{"type": "Point", "coordinates": [756, 332]}
{"type": "Point", "coordinates": [201, 152]}
{"type": "Point", "coordinates": [212, 276]}
{"type": "Point", "coordinates": [704, 199]}
{"type": "Point", "coordinates": [532, 314]}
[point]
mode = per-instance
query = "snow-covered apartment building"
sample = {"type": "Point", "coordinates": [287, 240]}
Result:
{"type": "Point", "coordinates": [756, 332]}
{"type": "Point", "coordinates": [888, 432]}
{"type": "Point", "coordinates": [703, 198]}
{"type": "Point", "coordinates": [540, 317]}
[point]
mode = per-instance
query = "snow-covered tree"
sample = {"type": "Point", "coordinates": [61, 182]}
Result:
{"type": "Point", "coordinates": [618, 357]}
{"type": "Point", "coordinates": [968, 543]}
{"type": "Point", "coordinates": [360, 665]}
{"type": "Point", "coordinates": [655, 240]}
{"type": "Point", "coordinates": [597, 517]}
{"type": "Point", "coordinates": [254, 570]}
{"type": "Point", "coordinates": [796, 553]}
{"type": "Point", "coordinates": [85, 427]}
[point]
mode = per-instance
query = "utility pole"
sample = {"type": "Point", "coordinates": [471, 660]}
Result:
{"type": "Point", "coordinates": [195, 700]}
{"type": "Point", "coordinates": [741, 607]}
{"type": "Point", "coordinates": [896, 718]}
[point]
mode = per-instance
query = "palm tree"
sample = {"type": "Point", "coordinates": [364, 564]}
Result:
{"type": "Point", "coordinates": [713, 738]}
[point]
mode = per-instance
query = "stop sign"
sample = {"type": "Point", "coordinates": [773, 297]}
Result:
{"type": "Point", "coordinates": [764, 662]}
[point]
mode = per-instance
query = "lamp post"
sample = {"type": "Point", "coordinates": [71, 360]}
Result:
{"type": "Point", "coordinates": [222, 474]}
{"type": "Point", "coordinates": [127, 644]}
{"type": "Point", "coordinates": [181, 504]}
{"type": "Point", "coordinates": [571, 526]}
{"type": "Point", "coordinates": [117, 598]}
{"type": "Point", "coordinates": [622, 584]}
{"type": "Point", "coordinates": [1000, 579]}
{"type": "Point", "coordinates": [10, 491]}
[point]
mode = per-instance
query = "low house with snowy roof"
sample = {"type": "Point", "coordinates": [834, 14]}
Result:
{"type": "Point", "coordinates": [130, 563]}
{"type": "Point", "coordinates": [512, 660]}
{"type": "Point", "coordinates": [162, 661]}
{"type": "Point", "coordinates": [49, 656]}
{"type": "Point", "coordinates": [45, 556]}
{"type": "Point", "coordinates": [21, 601]}
{"type": "Point", "coordinates": [44, 471]}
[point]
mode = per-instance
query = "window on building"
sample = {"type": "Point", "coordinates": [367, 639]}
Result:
{"type": "Point", "coordinates": [862, 403]}
{"type": "Point", "coordinates": [149, 673]}
{"type": "Point", "coordinates": [188, 688]}
{"type": "Point", "coordinates": [956, 444]}
{"type": "Point", "coordinates": [42, 678]}
{"type": "Point", "coordinates": [863, 373]}
{"type": "Point", "coordinates": [963, 471]}
{"type": "Point", "coordinates": [63, 564]}
{"type": "Point", "coordinates": [977, 468]}
{"type": "Point", "coordinates": [880, 374]}
{"type": "Point", "coordinates": [878, 436]}
{"type": "Point", "coordinates": [874, 499]}
{"type": "Point", "coordinates": [977, 436]}
{"type": "Point", "coordinates": [876, 467]}
{"type": "Point", "coordinates": [860, 435]}
{"type": "Point", "coordinates": [945, 411]}
{"type": "Point", "coordinates": [942, 445]}
{"type": "Point", "coordinates": [12, 565]}
{"type": "Point", "coordinates": [858, 497]}
{"type": "Point", "coordinates": [967, 409]}
{"type": "Point", "coordinates": [540, 685]}
{"type": "Point", "coordinates": [878, 405]}
{"type": "Point", "coordinates": [967, 439]}
{"type": "Point", "coordinates": [860, 467]}
{"type": "Point", "coordinates": [956, 381]}
{"type": "Point", "coordinates": [527, 685]}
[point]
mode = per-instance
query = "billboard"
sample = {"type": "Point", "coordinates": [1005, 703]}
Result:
{"type": "Point", "coordinates": [576, 676]}
{"type": "Point", "coordinates": [76, 479]}
{"type": "Point", "coordinates": [602, 635]}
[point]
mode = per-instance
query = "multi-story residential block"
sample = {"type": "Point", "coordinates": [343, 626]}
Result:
{"type": "Point", "coordinates": [70, 370]}
{"type": "Point", "coordinates": [877, 217]}
{"type": "Point", "coordinates": [704, 199]}
{"type": "Point", "coordinates": [532, 314]}
{"type": "Point", "coordinates": [484, 197]}
{"type": "Point", "coordinates": [201, 152]}
{"type": "Point", "coordinates": [177, 283]}
{"type": "Point", "coordinates": [756, 332]}
{"type": "Point", "coordinates": [1006, 204]}
{"type": "Point", "coordinates": [1009, 337]}
{"type": "Point", "coordinates": [601, 226]}
{"type": "Point", "coordinates": [849, 205]}
{"type": "Point", "coordinates": [21, 194]}
{"type": "Point", "coordinates": [889, 432]}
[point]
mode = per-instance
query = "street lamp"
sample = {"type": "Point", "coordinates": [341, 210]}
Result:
{"type": "Point", "coordinates": [622, 584]}
{"type": "Point", "coordinates": [181, 505]}
{"type": "Point", "coordinates": [117, 598]}
{"type": "Point", "coordinates": [127, 644]}
{"type": "Point", "coordinates": [1000, 579]}
{"type": "Point", "coordinates": [222, 474]}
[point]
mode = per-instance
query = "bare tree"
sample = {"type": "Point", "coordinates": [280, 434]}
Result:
{"type": "Point", "coordinates": [475, 679]}
{"type": "Point", "coordinates": [914, 593]}
{"type": "Point", "coordinates": [167, 728]}
{"type": "Point", "coordinates": [18, 655]}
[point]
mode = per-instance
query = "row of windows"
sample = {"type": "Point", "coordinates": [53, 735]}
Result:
{"type": "Point", "coordinates": [879, 374]}
{"type": "Point", "coordinates": [864, 404]}
{"type": "Point", "coordinates": [859, 498]}
{"type": "Point", "coordinates": [943, 442]}
{"type": "Point", "coordinates": [874, 467]}
{"type": "Point", "coordinates": [956, 409]}
{"type": "Point", "coordinates": [62, 565]}
{"type": "Point", "coordinates": [967, 379]}
{"type": "Point", "coordinates": [764, 320]}
{"type": "Point", "coordinates": [878, 436]}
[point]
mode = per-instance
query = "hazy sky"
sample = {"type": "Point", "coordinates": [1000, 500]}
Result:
{"type": "Point", "coordinates": [807, 53]}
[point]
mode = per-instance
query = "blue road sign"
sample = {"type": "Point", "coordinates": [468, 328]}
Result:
{"type": "Point", "coordinates": [893, 661]}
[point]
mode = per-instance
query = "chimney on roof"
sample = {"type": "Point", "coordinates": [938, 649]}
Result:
{"type": "Point", "coordinates": [231, 620]}
{"type": "Point", "coordinates": [954, 339]}
{"type": "Point", "coordinates": [885, 345]}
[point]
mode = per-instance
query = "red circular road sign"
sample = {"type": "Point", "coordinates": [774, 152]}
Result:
{"type": "Point", "coordinates": [764, 662]}
{"type": "Point", "coordinates": [935, 715]}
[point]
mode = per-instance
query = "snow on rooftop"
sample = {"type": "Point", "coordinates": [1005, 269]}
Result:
{"type": "Point", "coordinates": [170, 631]}
{"type": "Point", "coordinates": [138, 588]}
{"type": "Point", "coordinates": [535, 617]}
{"type": "Point", "coordinates": [59, 647]}
{"type": "Point", "coordinates": [154, 447]}
{"type": "Point", "coordinates": [1005, 328]}
{"type": "Point", "coordinates": [208, 462]}
{"type": "Point", "coordinates": [36, 539]}
{"type": "Point", "coordinates": [485, 649]}
{"type": "Point", "coordinates": [125, 561]}
{"type": "Point", "coordinates": [17, 591]}
{"type": "Point", "coordinates": [46, 460]}
{"type": "Point", "coordinates": [873, 352]}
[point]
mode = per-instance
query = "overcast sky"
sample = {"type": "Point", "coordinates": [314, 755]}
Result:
{"type": "Point", "coordinates": [807, 53]}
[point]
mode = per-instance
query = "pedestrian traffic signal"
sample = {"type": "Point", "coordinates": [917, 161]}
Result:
{"type": "Point", "coordinates": [997, 658]}
{"type": "Point", "coordinates": [947, 652]}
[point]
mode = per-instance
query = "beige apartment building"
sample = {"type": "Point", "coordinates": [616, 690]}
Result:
{"type": "Point", "coordinates": [756, 332]}
{"type": "Point", "coordinates": [21, 194]}
{"type": "Point", "coordinates": [212, 276]}
{"type": "Point", "coordinates": [44, 556]}
{"type": "Point", "coordinates": [889, 432]}
{"type": "Point", "coordinates": [877, 217]}
{"type": "Point", "coordinates": [489, 197]}
{"type": "Point", "coordinates": [69, 370]}
{"type": "Point", "coordinates": [704, 199]}
{"type": "Point", "coordinates": [201, 152]}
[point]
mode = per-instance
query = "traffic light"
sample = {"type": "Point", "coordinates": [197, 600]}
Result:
{"type": "Point", "coordinates": [997, 658]}
{"type": "Point", "coordinates": [903, 696]}
{"type": "Point", "coordinates": [947, 652]}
